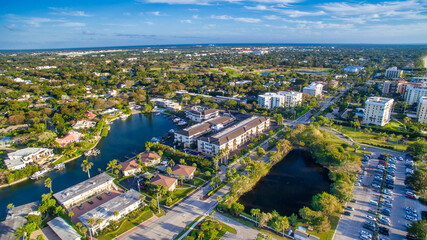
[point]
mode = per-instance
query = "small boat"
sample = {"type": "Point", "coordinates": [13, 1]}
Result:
{"type": "Point", "coordinates": [124, 116]}
{"type": "Point", "coordinates": [154, 139]}
{"type": "Point", "coordinates": [175, 120]}
{"type": "Point", "coordinates": [182, 123]}
{"type": "Point", "coordinates": [39, 174]}
{"type": "Point", "coordinates": [157, 114]}
{"type": "Point", "coordinates": [92, 152]}
{"type": "Point", "coordinates": [172, 131]}
{"type": "Point", "coordinates": [59, 166]}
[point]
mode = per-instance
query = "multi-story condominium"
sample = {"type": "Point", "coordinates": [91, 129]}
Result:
{"type": "Point", "coordinates": [314, 89]}
{"type": "Point", "coordinates": [419, 79]}
{"type": "Point", "coordinates": [393, 86]}
{"type": "Point", "coordinates": [271, 100]}
{"type": "Point", "coordinates": [78, 193]}
{"type": "Point", "coordinates": [280, 99]}
{"type": "Point", "coordinates": [200, 114]}
{"type": "Point", "coordinates": [393, 73]}
{"type": "Point", "coordinates": [414, 93]}
{"type": "Point", "coordinates": [234, 136]}
{"type": "Point", "coordinates": [292, 99]}
{"type": "Point", "coordinates": [122, 204]}
{"type": "Point", "coordinates": [21, 158]}
{"type": "Point", "coordinates": [189, 135]}
{"type": "Point", "coordinates": [422, 110]}
{"type": "Point", "coordinates": [378, 110]}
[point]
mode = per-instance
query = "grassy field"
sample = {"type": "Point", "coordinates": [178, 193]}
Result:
{"type": "Point", "coordinates": [395, 126]}
{"type": "Point", "coordinates": [232, 72]}
{"type": "Point", "coordinates": [128, 224]}
{"type": "Point", "coordinates": [371, 138]}
{"type": "Point", "coordinates": [334, 219]}
{"type": "Point", "coordinates": [214, 71]}
{"type": "Point", "coordinates": [313, 69]}
{"type": "Point", "coordinates": [196, 182]}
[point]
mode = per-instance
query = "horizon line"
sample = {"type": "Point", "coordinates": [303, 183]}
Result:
{"type": "Point", "coordinates": [213, 44]}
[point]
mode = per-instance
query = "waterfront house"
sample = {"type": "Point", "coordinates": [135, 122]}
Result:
{"type": "Point", "coordinates": [182, 170]}
{"type": "Point", "coordinates": [72, 136]}
{"type": "Point", "coordinates": [21, 158]}
{"type": "Point", "coordinates": [150, 158]}
{"type": "Point", "coordinates": [169, 182]}
{"type": "Point", "coordinates": [90, 115]}
{"type": "Point", "coordinates": [130, 167]}
{"type": "Point", "coordinates": [122, 204]}
{"type": "Point", "coordinates": [84, 124]}
{"type": "Point", "coordinates": [78, 193]}
{"type": "Point", "coordinates": [63, 230]}
{"type": "Point", "coordinates": [16, 217]}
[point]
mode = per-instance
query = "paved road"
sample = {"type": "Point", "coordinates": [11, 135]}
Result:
{"type": "Point", "coordinates": [243, 231]}
{"type": "Point", "coordinates": [175, 220]}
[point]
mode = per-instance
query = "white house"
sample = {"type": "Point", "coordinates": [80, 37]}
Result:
{"type": "Point", "coordinates": [314, 89]}
{"type": "Point", "coordinates": [19, 159]}
{"type": "Point", "coordinates": [422, 110]}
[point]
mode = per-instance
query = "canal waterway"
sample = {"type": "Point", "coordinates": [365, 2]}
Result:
{"type": "Point", "coordinates": [125, 140]}
{"type": "Point", "coordinates": [289, 186]}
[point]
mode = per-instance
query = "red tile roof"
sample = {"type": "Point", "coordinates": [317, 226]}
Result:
{"type": "Point", "coordinates": [183, 170]}
{"type": "Point", "coordinates": [163, 180]}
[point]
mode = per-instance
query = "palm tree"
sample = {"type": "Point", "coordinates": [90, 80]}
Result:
{"type": "Point", "coordinates": [48, 183]}
{"type": "Point", "coordinates": [181, 178]}
{"type": "Point", "coordinates": [91, 222]}
{"type": "Point", "coordinates": [142, 198]}
{"type": "Point", "coordinates": [113, 165]}
{"type": "Point", "coordinates": [171, 163]}
{"type": "Point", "coordinates": [255, 213]}
{"type": "Point", "coordinates": [86, 166]}
{"type": "Point", "coordinates": [98, 221]}
{"type": "Point", "coordinates": [71, 214]}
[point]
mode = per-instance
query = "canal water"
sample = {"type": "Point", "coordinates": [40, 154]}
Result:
{"type": "Point", "coordinates": [125, 140]}
{"type": "Point", "coordinates": [289, 186]}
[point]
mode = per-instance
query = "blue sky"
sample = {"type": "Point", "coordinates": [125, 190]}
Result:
{"type": "Point", "coordinates": [29, 24]}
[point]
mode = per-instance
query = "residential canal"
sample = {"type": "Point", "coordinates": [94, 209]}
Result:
{"type": "Point", "coordinates": [289, 186]}
{"type": "Point", "coordinates": [125, 140]}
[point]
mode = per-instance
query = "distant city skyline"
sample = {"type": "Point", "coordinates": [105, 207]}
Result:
{"type": "Point", "coordinates": [74, 24]}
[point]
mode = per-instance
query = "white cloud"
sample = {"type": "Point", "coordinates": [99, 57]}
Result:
{"type": "Point", "coordinates": [196, 16]}
{"type": "Point", "coordinates": [238, 19]}
{"type": "Point", "coordinates": [410, 9]}
{"type": "Point", "coordinates": [206, 2]}
{"type": "Point", "coordinates": [272, 17]}
{"type": "Point", "coordinates": [67, 12]}
{"type": "Point", "coordinates": [186, 21]}
{"type": "Point", "coordinates": [73, 24]}
{"type": "Point", "coordinates": [149, 23]}
{"type": "Point", "coordinates": [289, 12]}
{"type": "Point", "coordinates": [127, 14]}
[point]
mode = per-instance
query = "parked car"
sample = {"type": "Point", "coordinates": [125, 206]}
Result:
{"type": "Point", "coordinates": [90, 202]}
{"type": "Point", "coordinates": [81, 207]}
{"type": "Point", "coordinates": [347, 213]}
{"type": "Point", "coordinates": [99, 197]}
{"type": "Point", "coordinates": [372, 202]}
{"type": "Point", "coordinates": [371, 218]}
{"type": "Point", "coordinates": [384, 231]}
{"type": "Point", "coordinates": [348, 208]}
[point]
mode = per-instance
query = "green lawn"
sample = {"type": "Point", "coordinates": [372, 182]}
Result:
{"type": "Point", "coordinates": [128, 224]}
{"type": "Point", "coordinates": [225, 228]}
{"type": "Point", "coordinates": [252, 225]}
{"type": "Point", "coordinates": [232, 72]}
{"type": "Point", "coordinates": [196, 182]}
{"type": "Point", "coordinates": [334, 219]}
{"type": "Point", "coordinates": [395, 126]}
{"type": "Point", "coordinates": [214, 71]}
{"type": "Point", "coordinates": [313, 69]}
{"type": "Point", "coordinates": [372, 138]}
{"type": "Point", "coordinates": [177, 195]}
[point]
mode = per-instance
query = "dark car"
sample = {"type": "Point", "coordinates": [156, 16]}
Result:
{"type": "Point", "coordinates": [90, 202]}
{"type": "Point", "coordinates": [385, 212]}
{"type": "Point", "coordinates": [353, 200]}
{"type": "Point", "coordinates": [80, 207]}
{"type": "Point", "coordinates": [99, 197]}
{"type": "Point", "coordinates": [384, 231]}
{"type": "Point", "coordinates": [347, 213]}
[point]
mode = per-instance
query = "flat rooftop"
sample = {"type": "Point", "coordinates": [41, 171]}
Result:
{"type": "Point", "coordinates": [204, 126]}
{"type": "Point", "coordinates": [107, 209]}
{"type": "Point", "coordinates": [63, 230]}
{"type": "Point", "coordinates": [82, 187]}
{"type": "Point", "coordinates": [382, 100]}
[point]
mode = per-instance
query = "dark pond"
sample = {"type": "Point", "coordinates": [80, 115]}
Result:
{"type": "Point", "coordinates": [289, 186]}
{"type": "Point", "coordinates": [126, 139]}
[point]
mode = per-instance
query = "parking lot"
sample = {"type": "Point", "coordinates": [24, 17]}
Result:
{"type": "Point", "coordinates": [95, 202]}
{"type": "Point", "coordinates": [367, 196]}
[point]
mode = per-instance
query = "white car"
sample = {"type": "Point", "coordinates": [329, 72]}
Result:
{"type": "Point", "coordinates": [369, 217]}
{"type": "Point", "coordinates": [372, 202]}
